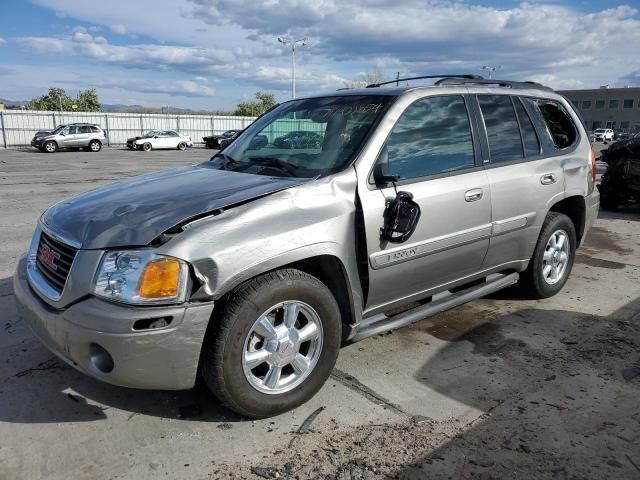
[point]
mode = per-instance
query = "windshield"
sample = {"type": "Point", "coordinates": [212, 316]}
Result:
{"type": "Point", "coordinates": [305, 138]}
{"type": "Point", "coordinates": [59, 129]}
{"type": "Point", "coordinates": [150, 133]}
{"type": "Point", "coordinates": [600, 130]}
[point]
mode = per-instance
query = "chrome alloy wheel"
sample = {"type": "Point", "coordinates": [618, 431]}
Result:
{"type": "Point", "coordinates": [556, 257]}
{"type": "Point", "coordinates": [95, 146]}
{"type": "Point", "coordinates": [282, 347]}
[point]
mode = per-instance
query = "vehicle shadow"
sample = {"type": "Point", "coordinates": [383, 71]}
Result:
{"type": "Point", "coordinates": [558, 390]}
{"type": "Point", "coordinates": [40, 388]}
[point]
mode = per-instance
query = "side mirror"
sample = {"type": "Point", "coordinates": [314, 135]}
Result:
{"type": "Point", "coordinates": [401, 217]}
{"type": "Point", "coordinates": [155, 136]}
{"type": "Point", "coordinates": [381, 173]}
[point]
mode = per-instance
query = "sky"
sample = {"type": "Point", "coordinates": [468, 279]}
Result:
{"type": "Point", "coordinates": [212, 54]}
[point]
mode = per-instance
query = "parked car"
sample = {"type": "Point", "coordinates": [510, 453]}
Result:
{"type": "Point", "coordinates": [620, 184]}
{"type": "Point", "coordinates": [603, 134]}
{"type": "Point", "coordinates": [87, 136]}
{"type": "Point", "coordinates": [251, 269]}
{"type": "Point", "coordinates": [259, 141]}
{"type": "Point", "coordinates": [131, 142]}
{"type": "Point", "coordinates": [159, 139]}
{"type": "Point", "coordinates": [298, 139]}
{"type": "Point", "coordinates": [213, 141]}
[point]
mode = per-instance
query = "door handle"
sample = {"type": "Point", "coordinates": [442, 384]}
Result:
{"type": "Point", "coordinates": [548, 179]}
{"type": "Point", "coordinates": [473, 195]}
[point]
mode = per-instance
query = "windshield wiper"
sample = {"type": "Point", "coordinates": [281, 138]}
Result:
{"type": "Point", "coordinates": [273, 162]}
{"type": "Point", "coordinates": [227, 161]}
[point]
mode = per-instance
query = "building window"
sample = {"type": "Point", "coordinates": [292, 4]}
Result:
{"type": "Point", "coordinates": [627, 103]}
{"type": "Point", "coordinates": [586, 104]}
{"type": "Point", "coordinates": [614, 103]}
{"type": "Point", "coordinates": [596, 124]}
{"type": "Point", "coordinates": [576, 103]}
{"type": "Point", "coordinates": [624, 125]}
{"type": "Point", "coordinates": [599, 103]}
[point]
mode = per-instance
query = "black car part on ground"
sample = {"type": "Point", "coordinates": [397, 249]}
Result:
{"type": "Point", "coordinates": [621, 182]}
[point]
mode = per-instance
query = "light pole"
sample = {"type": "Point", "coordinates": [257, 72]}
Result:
{"type": "Point", "coordinates": [491, 69]}
{"type": "Point", "coordinates": [290, 41]}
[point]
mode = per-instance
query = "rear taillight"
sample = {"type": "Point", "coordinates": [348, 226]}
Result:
{"type": "Point", "coordinates": [593, 165]}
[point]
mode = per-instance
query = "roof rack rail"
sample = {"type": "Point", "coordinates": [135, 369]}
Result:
{"type": "Point", "coordinates": [454, 80]}
{"type": "Point", "coordinates": [398, 80]}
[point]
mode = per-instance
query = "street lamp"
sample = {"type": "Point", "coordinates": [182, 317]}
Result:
{"type": "Point", "coordinates": [289, 41]}
{"type": "Point", "coordinates": [491, 69]}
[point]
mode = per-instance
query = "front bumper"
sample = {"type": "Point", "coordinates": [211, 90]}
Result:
{"type": "Point", "coordinates": [164, 359]}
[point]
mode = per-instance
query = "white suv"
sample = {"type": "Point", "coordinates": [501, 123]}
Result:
{"type": "Point", "coordinates": [603, 134]}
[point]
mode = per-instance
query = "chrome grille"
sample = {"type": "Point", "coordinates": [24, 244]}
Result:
{"type": "Point", "coordinates": [54, 260]}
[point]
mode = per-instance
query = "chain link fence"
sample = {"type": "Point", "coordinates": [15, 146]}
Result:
{"type": "Point", "coordinates": [19, 126]}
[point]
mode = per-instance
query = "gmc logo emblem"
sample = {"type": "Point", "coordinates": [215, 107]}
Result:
{"type": "Point", "coordinates": [49, 257]}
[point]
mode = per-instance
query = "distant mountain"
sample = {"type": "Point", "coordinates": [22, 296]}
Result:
{"type": "Point", "coordinates": [10, 103]}
{"type": "Point", "coordinates": [120, 107]}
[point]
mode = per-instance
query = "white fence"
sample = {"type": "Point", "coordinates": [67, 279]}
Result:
{"type": "Point", "coordinates": [19, 126]}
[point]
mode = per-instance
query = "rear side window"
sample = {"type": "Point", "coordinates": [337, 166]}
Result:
{"type": "Point", "coordinates": [85, 129]}
{"type": "Point", "coordinates": [503, 133]}
{"type": "Point", "coordinates": [561, 127]}
{"type": "Point", "coordinates": [433, 136]}
{"type": "Point", "coordinates": [529, 137]}
{"type": "Point", "coordinates": [95, 129]}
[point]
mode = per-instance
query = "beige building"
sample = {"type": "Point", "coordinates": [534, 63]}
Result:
{"type": "Point", "coordinates": [617, 108]}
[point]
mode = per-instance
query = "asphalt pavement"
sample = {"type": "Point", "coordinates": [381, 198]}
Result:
{"type": "Point", "coordinates": [522, 388]}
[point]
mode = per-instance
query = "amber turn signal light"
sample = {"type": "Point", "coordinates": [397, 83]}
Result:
{"type": "Point", "coordinates": [161, 279]}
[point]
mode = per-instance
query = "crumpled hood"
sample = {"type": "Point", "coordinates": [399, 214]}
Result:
{"type": "Point", "coordinates": [135, 211]}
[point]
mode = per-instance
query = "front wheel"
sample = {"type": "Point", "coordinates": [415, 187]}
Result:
{"type": "Point", "coordinates": [146, 147]}
{"type": "Point", "coordinates": [50, 147]}
{"type": "Point", "coordinates": [274, 344]}
{"type": "Point", "coordinates": [182, 146]}
{"type": "Point", "coordinates": [552, 259]}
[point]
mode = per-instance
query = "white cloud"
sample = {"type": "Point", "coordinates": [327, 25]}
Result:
{"type": "Point", "coordinates": [555, 44]}
{"type": "Point", "coordinates": [2, 41]}
{"type": "Point", "coordinates": [119, 28]}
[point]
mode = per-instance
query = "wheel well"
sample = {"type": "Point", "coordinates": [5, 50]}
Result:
{"type": "Point", "coordinates": [330, 271]}
{"type": "Point", "coordinates": [574, 208]}
{"type": "Point", "coordinates": [95, 140]}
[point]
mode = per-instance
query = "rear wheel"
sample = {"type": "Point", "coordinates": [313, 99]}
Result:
{"type": "Point", "coordinates": [274, 344]}
{"type": "Point", "coordinates": [553, 257]}
{"type": "Point", "coordinates": [182, 146]}
{"type": "Point", "coordinates": [50, 146]}
{"type": "Point", "coordinates": [95, 146]}
{"type": "Point", "coordinates": [146, 147]}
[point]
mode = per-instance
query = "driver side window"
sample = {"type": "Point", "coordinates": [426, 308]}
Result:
{"type": "Point", "coordinates": [433, 136]}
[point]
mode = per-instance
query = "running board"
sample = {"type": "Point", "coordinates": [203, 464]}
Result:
{"type": "Point", "coordinates": [381, 323]}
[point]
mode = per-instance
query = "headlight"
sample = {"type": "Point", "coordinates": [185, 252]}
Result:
{"type": "Point", "coordinates": [141, 277]}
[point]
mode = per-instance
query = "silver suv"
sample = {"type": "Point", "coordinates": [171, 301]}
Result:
{"type": "Point", "coordinates": [254, 267]}
{"type": "Point", "coordinates": [87, 136]}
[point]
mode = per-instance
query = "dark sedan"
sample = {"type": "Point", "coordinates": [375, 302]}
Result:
{"type": "Point", "coordinates": [214, 141]}
{"type": "Point", "coordinates": [298, 139]}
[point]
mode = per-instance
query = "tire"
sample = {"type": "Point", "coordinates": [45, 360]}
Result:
{"type": "Point", "coordinates": [50, 147]}
{"type": "Point", "coordinates": [233, 335]}
{"type": "Point", "coordinates": [146, 147]}
{"type": "Point", "coordinates": [182, 146]}
{"type": "Point", "coordinates": [95, 146]}
{"type": "Point", "coordinates": [535, 282]}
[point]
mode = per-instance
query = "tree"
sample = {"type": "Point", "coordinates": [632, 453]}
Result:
{"type": "Point", "coordinates": [88, 101]}
{"type": "Point", "coordinates": [367, 78]}
{"type": "Point", "coordinates": [58, 100]}
{"type": "Point", "coordinates": [264, 102]}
